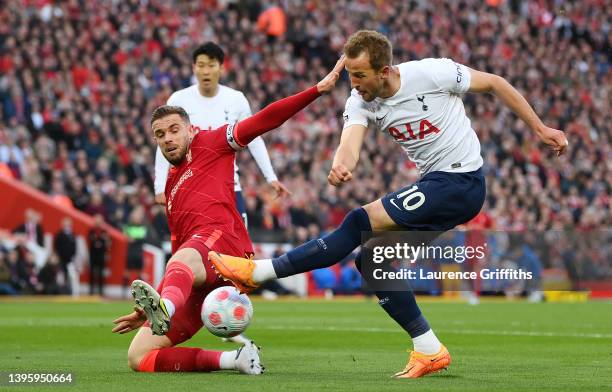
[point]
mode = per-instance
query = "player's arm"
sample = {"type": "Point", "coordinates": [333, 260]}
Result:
{"type": "Point", "coordinates": [482, 82]}
{"type": "Point", "coordinates": [275, 114]}
{"type": "Point", "coordinates": [347, 154]}
{"type": "Point", "coordinates": [161, 176]}
{"type": "Point", "coordinates": [129, 322]}
{"type": "Point", "coordinates": [258, 150]}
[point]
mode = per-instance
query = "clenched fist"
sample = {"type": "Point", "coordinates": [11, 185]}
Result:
{"type": "Point", "coordinates": [339, 174]}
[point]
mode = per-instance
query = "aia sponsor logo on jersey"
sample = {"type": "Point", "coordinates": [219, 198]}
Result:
{"type": "Point", "coordinates": [406, 133]}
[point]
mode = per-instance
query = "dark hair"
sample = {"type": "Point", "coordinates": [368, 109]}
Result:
{"type": "Point", "coordinates": [166, 110]}
{"type": "Point", "coordinates": [210, 49]}
{"type": "Point", "coordinates": [376, 45]}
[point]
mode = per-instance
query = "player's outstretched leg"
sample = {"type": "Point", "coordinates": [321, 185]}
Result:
{"type": "Point", "coordinates": [320, 253]}
{"type": "Point", "coordinates": [189, 359]}
{"type": "Point", "coordinates": [237, 269]}
{"type": "Point", "coordinates": [151, 353]}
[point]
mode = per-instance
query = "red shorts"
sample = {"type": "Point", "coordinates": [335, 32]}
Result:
{"type": "Point", "coordinates": [187, 320]}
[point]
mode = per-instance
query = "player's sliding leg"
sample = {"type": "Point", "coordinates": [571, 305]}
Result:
{"type": "Point", "coordinates": [184, 271]}
{"type": "Point", "coordinates": [151, 353]}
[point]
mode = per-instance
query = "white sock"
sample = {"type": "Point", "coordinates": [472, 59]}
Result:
{"type": "Point", "coordinates": [427, 343]}
{"type": "Point", "coordinates": [263, 270]}
{"type": "Point", "coordinates": [227, 361]}
{"type": "Point", "coordinates": [169, 307]}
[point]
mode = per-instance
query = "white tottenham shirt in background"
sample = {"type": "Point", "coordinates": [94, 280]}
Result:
{"type": "Point", "coordinates": [227, 107]}
{"type": "Point", "coordinates": [426, 116]}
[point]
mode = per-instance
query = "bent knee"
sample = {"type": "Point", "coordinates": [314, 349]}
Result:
{"type": "Point", "coordinates": [142, 361]}
{"type": "Point", "coordinates": [379, 218]}
{"type": "Point", "coordinates": [133, 360]}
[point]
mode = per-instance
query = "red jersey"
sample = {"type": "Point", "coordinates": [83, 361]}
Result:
{"type": "Point", "coordinates": [200, 196]}
{"type": "Point", "coordinates": [200, 199]}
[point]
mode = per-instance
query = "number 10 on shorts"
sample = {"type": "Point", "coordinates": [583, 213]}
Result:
{"type": "Point", "coordinates": [412, 200]}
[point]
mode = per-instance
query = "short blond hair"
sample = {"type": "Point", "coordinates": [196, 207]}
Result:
{"type": "Point", "coordinates": [377, 46]}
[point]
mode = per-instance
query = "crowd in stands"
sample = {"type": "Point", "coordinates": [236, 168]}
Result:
{"type": "Point", "coordinates": [79, 79]}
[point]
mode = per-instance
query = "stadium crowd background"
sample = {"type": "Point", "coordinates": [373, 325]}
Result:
{"type": "Point", "coordinates": [79, 79]}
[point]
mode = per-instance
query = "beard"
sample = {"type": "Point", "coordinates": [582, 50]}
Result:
{"type": "Point", "coordinates": [177, 157]}
{"type": "Point", "coordinates": [367, 97]}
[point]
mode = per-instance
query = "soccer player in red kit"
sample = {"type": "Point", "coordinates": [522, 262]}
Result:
{"type": "Point", "coordinates": [202, 216]}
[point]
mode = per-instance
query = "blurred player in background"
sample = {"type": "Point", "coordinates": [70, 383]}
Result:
{"type": "Point", "coordinates": [418, 104]}
{"type": "Point", "coordinates": [202, 216]}
{"type": "Point", "coordinates": [211, 105]}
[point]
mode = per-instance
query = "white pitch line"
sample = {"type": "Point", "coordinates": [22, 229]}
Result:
{"type": "Point", "coordinates": [95, 322]}
{"type": "Point", "coordinates": [453, 331]}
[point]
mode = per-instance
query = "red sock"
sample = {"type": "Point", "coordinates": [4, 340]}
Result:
{"type": "Point", "coordinates": [178, 281]}
{"type": "Point", "coordinates": [180, 359]}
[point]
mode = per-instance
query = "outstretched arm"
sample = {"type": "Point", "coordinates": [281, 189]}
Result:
{"type": "Point", "coordinates": [347, 154]}
{"type": "Point", "coordinates": [482, 82]}
{"type": "Point", "coordinates": [275, 114]}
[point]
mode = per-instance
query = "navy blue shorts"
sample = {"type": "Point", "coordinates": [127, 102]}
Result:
{"type": "Point", "coordinates": [241, 207]}
{"type": "Point", "coordinates": [439, 201]}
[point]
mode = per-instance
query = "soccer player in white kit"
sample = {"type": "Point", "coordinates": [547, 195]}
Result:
{"type": "Point", "coordinates": [211, 105]}
{"type": "Point", "coordinates": [418, 104]}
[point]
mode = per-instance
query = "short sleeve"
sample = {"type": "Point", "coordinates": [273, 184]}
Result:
{"type": "Point", "coordinates": [449, 75]}
{"type": "Point", "coordinates": [354, 112]}
{"type": "Point", "coordinates": [244, 109]}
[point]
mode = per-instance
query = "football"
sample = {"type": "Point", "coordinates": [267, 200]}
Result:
{"type": "Point", "coordinates": [226, 312]}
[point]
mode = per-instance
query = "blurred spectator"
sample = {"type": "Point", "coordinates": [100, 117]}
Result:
{"type": "Point", "coordinates": [272, 21]}
{"type": "Point", "coordinates": [64, 244]}
{"type": "Point", "coordinates": [31, 228]}
{"type": "Point", "coordinates": [138, 233]}
{"type": "Point", "coordinates": [52, 279]}
{"type": "Point", "coordinates": [99, 244]}
{"type": "Point", "coordinates": [23, 275]}
{"type": "Point", "coordinates": [6, 276]}
{"type": "Point", "coordinates": [350, 279]}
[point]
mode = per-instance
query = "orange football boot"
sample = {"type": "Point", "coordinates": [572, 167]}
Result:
{"type": "Point", "coordinates": [236, 269]}
{"type": "Point", "coordinates": [420, 364]}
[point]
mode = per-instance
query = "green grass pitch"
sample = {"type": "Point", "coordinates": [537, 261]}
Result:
{"type": "Point", "coordinates": [339, 345]}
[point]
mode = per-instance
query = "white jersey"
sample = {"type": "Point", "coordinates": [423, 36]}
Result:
{"type": "Point", "coordinates": [426, 116]}
{"type": "Point", "coordinates": [207, 113]}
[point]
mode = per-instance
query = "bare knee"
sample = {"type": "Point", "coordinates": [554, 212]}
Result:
{"type": "Point", "coordinates": [143, 343]}
{"type": "Point", "coordinates": [134, 358]}
{"type": "Point", "coordinates": [379, 218]}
